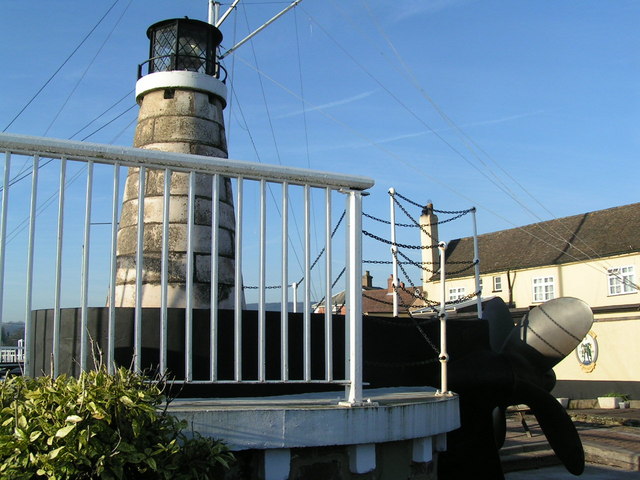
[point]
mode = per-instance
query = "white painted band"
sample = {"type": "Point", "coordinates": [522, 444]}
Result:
{"type": "Point", "coordinates": [181, 79]}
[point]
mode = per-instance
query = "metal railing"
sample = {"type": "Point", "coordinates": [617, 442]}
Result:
{"type": "Point", "coordinates": [52, 261]}
{"type": "Point", "coordinates": [183, 62]}
{"type": "Point", "coordinates": [11, 355]}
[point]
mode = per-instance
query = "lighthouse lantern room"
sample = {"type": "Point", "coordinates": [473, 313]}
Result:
{"type": "Point", "coordinates": [182, 44]}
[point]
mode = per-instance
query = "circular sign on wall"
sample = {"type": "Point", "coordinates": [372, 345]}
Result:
{"type": "Point", "coordinates": [587, 352]}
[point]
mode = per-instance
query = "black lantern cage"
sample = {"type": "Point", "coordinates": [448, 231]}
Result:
{"type": "Point", "coordinates": [182, 44]}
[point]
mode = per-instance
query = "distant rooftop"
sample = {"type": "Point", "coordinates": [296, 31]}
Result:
{"type": "Point", "coordinates": [603, 233]}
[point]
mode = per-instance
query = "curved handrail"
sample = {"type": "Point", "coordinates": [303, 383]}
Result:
{"type": "Point", "coordinates": [199, 64]}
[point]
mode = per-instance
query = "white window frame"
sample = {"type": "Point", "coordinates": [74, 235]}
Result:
{"type": "Point", "coordinates": [621, 280]}
{"type": "Point", "coordinates": [544, 288]}
{"type": "Point", "coordinates": [456, 293]}
{"type": "Point", "coordinates": [497, 283]}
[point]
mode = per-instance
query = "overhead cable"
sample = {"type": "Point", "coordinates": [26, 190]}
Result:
{"type": "Point", "coordinates": [86, 70]}
{"type": "Point", "coordinates": [60, 67]}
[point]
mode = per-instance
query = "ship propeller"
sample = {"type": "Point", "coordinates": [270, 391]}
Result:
{"type": "Point", "coordinates": [516, 369]}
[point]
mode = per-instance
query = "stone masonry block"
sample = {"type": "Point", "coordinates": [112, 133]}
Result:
{"type": "Point", "coordinates": [152, 239]}
{"type": "Point", "coordinates": [211, 151]}
{"type": "Point", "coordinates": [183, 103]}
{"type": "Point", "coordinates": [225, 269]}
{"type": "Point", "coordinates": [176, 296]}
{"type": "Point", "coordinates": [186, 129]}
{"type": "Point", "coordinates": [144, 132]}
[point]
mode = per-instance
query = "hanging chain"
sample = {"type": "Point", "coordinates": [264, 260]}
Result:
{"type": "Point", "coordinates": [335, 229]}
{"type": "Point", "coordinates": [333, 284]}
{"type": "Point", "coordinates": [402, 245]}
{"type": "Point", "coordinates": [387, 222]}
{"type": "Point", "coordinates": [446, 212]}
{"type": "Point", "coordinates": [404, 210]}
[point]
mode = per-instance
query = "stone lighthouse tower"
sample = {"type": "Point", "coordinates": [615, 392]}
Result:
{"type": "Point", "coordinates": [181, 100]}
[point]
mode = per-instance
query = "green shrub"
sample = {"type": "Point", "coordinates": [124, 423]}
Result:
{"type": "Point", "coordinates": [623, 396]}
{"type": "Point", "coordinates": [98, 426]}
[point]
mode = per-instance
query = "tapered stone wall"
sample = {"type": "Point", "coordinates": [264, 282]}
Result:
{"type": "Point", "coordinates": [183, 121]}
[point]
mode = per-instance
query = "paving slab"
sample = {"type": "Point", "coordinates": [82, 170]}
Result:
{"type": "Point", "coordinates": [609, 437]}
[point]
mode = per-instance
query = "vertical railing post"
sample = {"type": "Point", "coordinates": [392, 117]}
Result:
{"type": "Point", "coordinates": [444, 356]}
{"type": "Point", "coordinates": [215, 247]}
{"type": "Point", "coordinates": [29, 368]}
{"type": "Point", "coordinates": [58, 273]}
{"type": "Point", "coordinates": [262, 278]}
{"type": "Point", "coordinates": [476, 263]}
{"type": "Point", "coordinates": [284, 286]}
{"type": "Point", "coordinates": [164, 270]}
{"type": "Point", "coordinates": [137, 317]}
{"type": "Point", "coordinates": [237, 301]}
{"type": "Point", "coordinates": [3, 226]}
{"type": "Point", "coordinates": [394, 250]}
{"type": "Point", "coordinates": [188, 314]}
{"type": "Point", "coordinates": [306, 309]}
{"type": "Point", "coordinates": [354, 296]}
{"type": "Point", "coordinates": [328, 313]}
{"type": "Point", "coordinates": [84, 288]}
{"type": "Point", "coordinates": [113, 268]}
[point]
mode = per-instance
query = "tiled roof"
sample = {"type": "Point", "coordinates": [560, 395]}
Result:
{"type": "Point", "coordinates": [377, 300]}
{"type": "Point", "coordinates": [598, 234]}
{"type": "Point", "coordinates": [381, 301]}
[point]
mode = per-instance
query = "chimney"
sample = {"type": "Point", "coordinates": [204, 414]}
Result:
{"type": "Point", "coordinates": [367, 279]}
{"type": "Point", "coordinates": [429, 237]}
{"type": "Point", "coordinates": [181, 100]}
{"type": "Point", "coordinates": [390, 284]}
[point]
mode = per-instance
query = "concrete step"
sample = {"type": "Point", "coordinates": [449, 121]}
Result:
{"type": "Point", "coordinates": [528, 459]}
{"type": "Point", "coordinates": [532, 446]}
{"type": "Point", "coordinates": [618, 457]}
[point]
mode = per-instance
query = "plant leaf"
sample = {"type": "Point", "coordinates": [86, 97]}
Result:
{"type": "Point", "coordinates": [54, 453]}
{"type": "Point", "coordinates": [73, 419]}
{"type": "Point", "coordinates": [64, 431]}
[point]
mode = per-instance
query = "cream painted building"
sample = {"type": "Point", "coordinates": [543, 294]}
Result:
{"type": "Point", "coordinates": [594, 257]}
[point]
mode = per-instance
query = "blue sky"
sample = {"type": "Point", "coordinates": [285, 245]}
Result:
{"type": "Point", "coordinates": [443, 100]}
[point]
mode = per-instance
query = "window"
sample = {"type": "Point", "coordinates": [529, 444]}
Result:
{"type": "Point", "coordinates": [543, 289]}
{"type": "Point", "coordinates": [622, 280]}
{"type": "Point", "coordinates": [456, 293]}
{"type": "Point", "coordinates": [497, 284]}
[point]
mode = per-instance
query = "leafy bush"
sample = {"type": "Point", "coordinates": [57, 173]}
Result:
{"type": "Point", "coordinates": [98, 426]}
{"type": "Point", "coordinates": [623, 396]}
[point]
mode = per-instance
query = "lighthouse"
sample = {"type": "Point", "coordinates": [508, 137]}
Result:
{"type": "Point", "coordinates": [181, 94]}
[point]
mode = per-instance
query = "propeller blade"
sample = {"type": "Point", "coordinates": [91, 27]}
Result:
{"type": "Point", "coordinates": [555, 423]}
{"type": "Point", "coordinates": [499, 418]}
{"type": "Point", "coordinates": [555, 328]}
{"type": "Point", "coordinates": [498, 316]}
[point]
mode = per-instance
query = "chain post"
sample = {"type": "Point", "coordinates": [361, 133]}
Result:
{"type": "Point", "coordinates": [476, 261]}
{"type": "Point", "coordinates": [394, 250]}
{"type": "Point", "coordinates": [444, 356]}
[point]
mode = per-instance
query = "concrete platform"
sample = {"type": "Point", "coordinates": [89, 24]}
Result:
{"type": "Point", "coordinates": [318, 419]}
{"type": "Point", "coordinates": [281, 429]}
